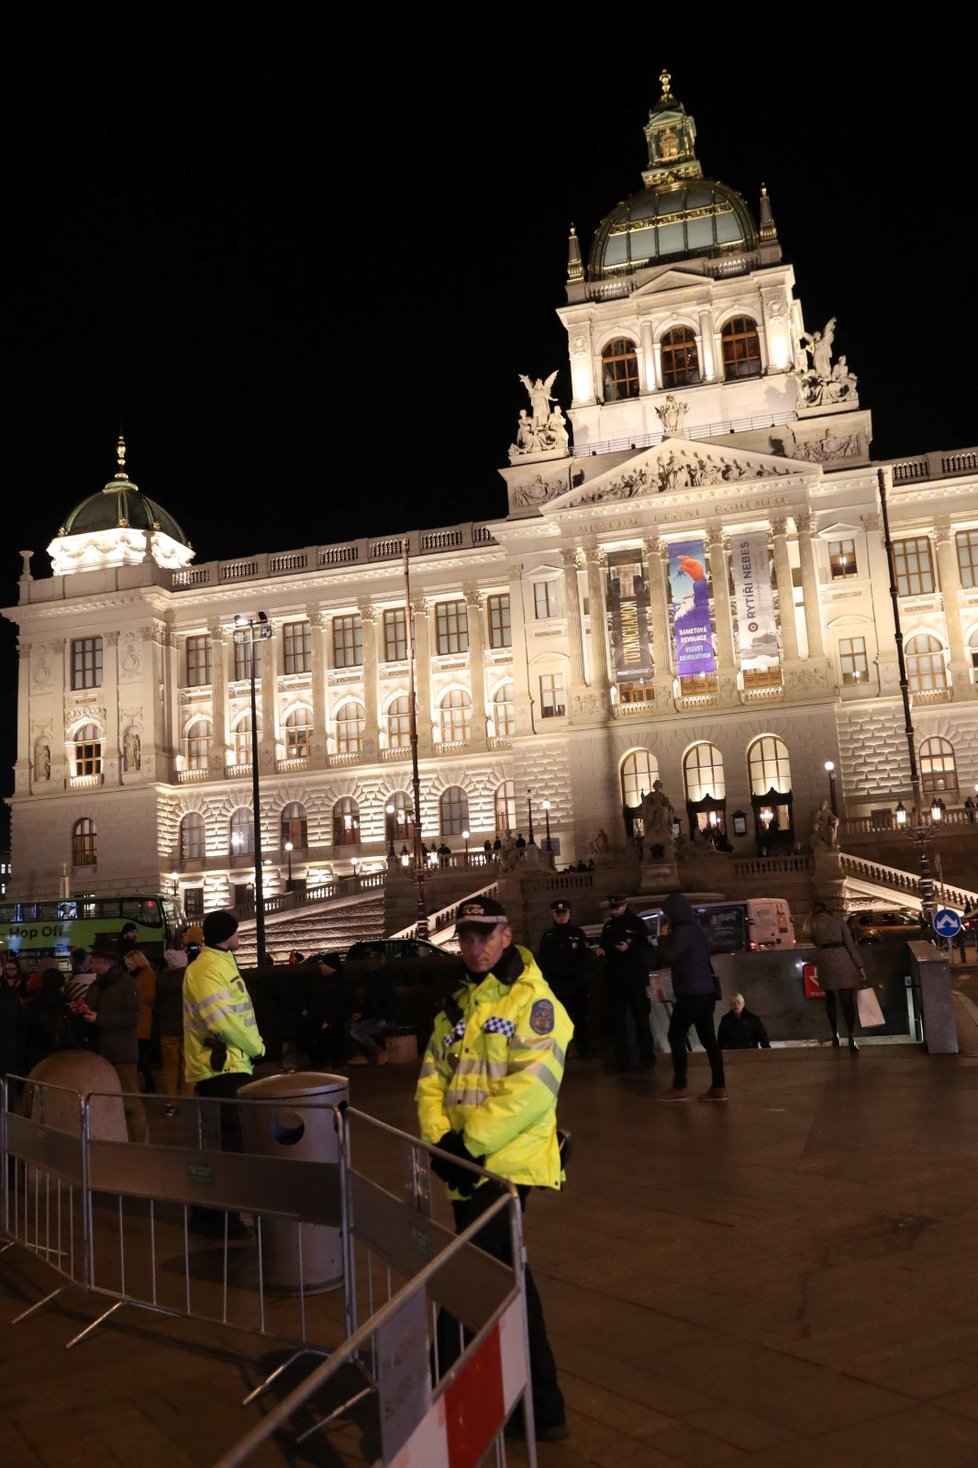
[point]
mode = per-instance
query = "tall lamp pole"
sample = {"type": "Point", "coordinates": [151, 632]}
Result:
{"type": "Point", "coordinates": [288, 853]}
{"type": "Point", "coordinates": [419, 869]}
{"type": "Point", "coordinates": [833, 797]}
{"type": "Point", "coordinates": [546, 817]}
{"type": "Point", "coordinates": [921, 834]}
{"type": "Point", "coordinates": [259, 629]}
{"type": "Point", "coordinates": [530, 840]}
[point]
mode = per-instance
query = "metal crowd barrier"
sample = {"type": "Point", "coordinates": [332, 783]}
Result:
{"type": "Point", "coordinates": [345, 1263]}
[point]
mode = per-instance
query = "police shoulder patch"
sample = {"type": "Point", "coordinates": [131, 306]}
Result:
{"type": "Point", "coordinates": [542, 1017]}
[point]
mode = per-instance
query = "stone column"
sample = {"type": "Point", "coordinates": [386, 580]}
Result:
{"type": "Point", "coordinates": [707, 354]}
{"type": "Point", "coordinates": [662, 679]}
{"type": "Point", "coordinates": [109, 694]}
{"type": "Point", "coordinates": [720, 579]}
{"type": "Point", "coordinates": [368, 619]}
{"type": "Point", "coordinates": [266, 699]}
{"type": "Point", "coordinates": [786, 595]}
{"type": "Point", "coordinates": [805, 524]}
{"type": "Point", "coordinates": [25, 775]}
{"type": "Point", "coordinates": [217, 757]}
{"type": "Point", "coordinates": [650, 357]}
{"type": "Point", "coordinates": [887, 673]}
{"type": "Point", "coordinates": [422, 672]}
{"type": "Point", "coordinates": [950, 575]}
{"type": "Point", "coordinates": [318, 623]}
{"type": "Point", "coordinates": [572, 612]}
{"type": "Point", "coordinates": [600, 677]}
{"type": "Point", "coordinates": [521, 673]}
{"type": "Point", "coordinates": [477, 666]}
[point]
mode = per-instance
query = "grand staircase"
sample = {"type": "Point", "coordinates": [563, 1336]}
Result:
{"type": "Point", "coordinates": [315, 928]}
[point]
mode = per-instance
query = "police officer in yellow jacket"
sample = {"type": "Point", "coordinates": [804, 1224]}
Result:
{"type": "Point", "coordinates": [487, 1093]}
{"type": "Point", "coordinates": [220, 1039]}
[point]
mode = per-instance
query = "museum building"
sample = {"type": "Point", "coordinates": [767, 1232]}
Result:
{"type": "Point", "coordinates": [691, 584]}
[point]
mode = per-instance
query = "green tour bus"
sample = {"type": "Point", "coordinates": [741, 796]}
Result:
{"type": "Point", "coordinates": [42, 934]}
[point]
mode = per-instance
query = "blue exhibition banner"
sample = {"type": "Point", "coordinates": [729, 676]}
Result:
{"type": "Point", "coordinates": [690, 587]}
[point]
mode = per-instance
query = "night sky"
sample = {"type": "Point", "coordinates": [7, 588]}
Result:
{"type": "Point", "coordinates": [303, 275]}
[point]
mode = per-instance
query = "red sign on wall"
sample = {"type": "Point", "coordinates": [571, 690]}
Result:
{"type": "Point", "coordinates": [813, 989]}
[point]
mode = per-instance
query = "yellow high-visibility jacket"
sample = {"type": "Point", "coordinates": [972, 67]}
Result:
{"type": "Point", "coordinates": [493, 1069]}
{"type": "Point", "coordinates": [216, 1002]}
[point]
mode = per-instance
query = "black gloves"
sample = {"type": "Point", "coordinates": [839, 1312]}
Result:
{"type": "Point", "coordinates": [219, 1052]}
{"type": "Point", "coordinates": [456, 1178]}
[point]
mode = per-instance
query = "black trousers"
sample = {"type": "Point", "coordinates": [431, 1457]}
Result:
{"type": "Point", "coordinates": [573, 995]}
{"type": "Point", "coordinates": [630, 998]}
{"type": "Point", "coordinates": [494, 1238]}
{"type": "Point", "coordinates": [696, 1011]}
{"type": "Point", "coordinates": [224, 1088]}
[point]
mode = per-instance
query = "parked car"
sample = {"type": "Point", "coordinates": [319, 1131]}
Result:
{"type": "Point", "coordinates": [877, 923]}
{"type": "Point", "coordinates": [397, 948]}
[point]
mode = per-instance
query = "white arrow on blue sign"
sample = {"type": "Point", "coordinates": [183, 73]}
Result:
{"type": "Point", "coordinates": [947, 924]}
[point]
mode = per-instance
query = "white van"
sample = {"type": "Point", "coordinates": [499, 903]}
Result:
{"type": "Point", "coordinates": [769, 923]}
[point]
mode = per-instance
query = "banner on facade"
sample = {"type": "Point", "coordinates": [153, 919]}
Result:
{"type": "Point", "coordinates": [690, 587]}
{"type": "Point", "coordinates": [754, 601]}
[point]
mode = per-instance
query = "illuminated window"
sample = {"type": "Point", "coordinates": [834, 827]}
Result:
{"type": "Point", "coordinates": [243, 649]}
{"type": "Point", "coordinates": [453, 811]}
{"type": "Point", "coordinates": [297, 647]}
{"type": "Point", "coordinates": [399, 723]}
{"type": "Point", "coordinates": [842, 558]}
{"type": "Point", "coordinates": [926, 670]}
{"type": "Point", "coordinates": [504, 807]}
{"type": "Point", "coordinates": [703, 773]}
{"type": "Point", "coordinates": [242, 740]}
{"type": "Point", "coordinates": [914, 569]}
{"type": "Point", "coordinates": [637, 773]}
{"type": "Point", "coordinates": [83, 843]}
{"type": "Point", "coordinates": [88, 751]}
{"type": "Point", "coordinates": [298, 734]}
{"type": "Point", "coordinates": [347, 642]}
{"type": "Point", "coordinates": [853, 661]}
{"type": "Point", "coordinates": [451, 627]}
{"type": "Point", "coordinates": [680, 358]}
{"type": "Point", "coordinates": [768, 765]}
{"type": "Point", "coordinates": [198, 661]}
{"type": "Point", "coordinates": [295, 825]}
{"type": "Point", "coordinates": [193, 837]}
{"type": "Point", "coordinates": [546, 599]}
{"type": "Point", "coordinates": [500, 630]}
{"type": "Point", "coordinates": [455, 714]}
{"type": "Point", "coordinates": [395, 635]}
{"type": "Point", "coordinates": [937, 767]}
{"type": "Point", "coordinates": [398, 817]}
{"type": "Point", "coordinates": [741, 349]}
{"type": "Point", "coordinates": [346, 822]}
{"type": "Point", "coordinates": [504, 712]}
{"type": "Point", "coordinates": [198, 744]}
{"type": "Point", "coordinates": [350, 724]}
{"type": "Point", "coordinates": [86, 662]}
{"type": "Point", "coordinates": [619, 370]}
{"type": "Point", "coordinates": [552, 695]}
{"type": "Point", "coordinates": [967, 543]}
{"type": "Point", "coordinates": [242, 832]}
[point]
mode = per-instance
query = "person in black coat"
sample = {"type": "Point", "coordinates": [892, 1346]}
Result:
{"type": "Point", "coordinates": [741, 1029]}
{"type": "Point", "coordinates": [625, 946]}
{"type": "Point", "coordinates": [684, 948]}
{"type": "Point", "coordinates": [563, 955]}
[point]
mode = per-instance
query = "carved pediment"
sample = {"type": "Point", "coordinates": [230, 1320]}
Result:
{"type": "Point", "coordinates": [671, 278]}
{"type": "Point", "coordinates": [674, 466]}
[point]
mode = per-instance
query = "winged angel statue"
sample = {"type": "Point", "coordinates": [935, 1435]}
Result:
{"type": "Point", "coordinates": [541, 397]}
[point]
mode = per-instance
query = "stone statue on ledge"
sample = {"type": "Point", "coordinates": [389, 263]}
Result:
{"type": "Point", "coordinates": [658, 841]}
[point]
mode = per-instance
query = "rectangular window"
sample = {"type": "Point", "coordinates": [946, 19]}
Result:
{"type": "Point", "coordinates": [347, 642]}
{"type": "Point", "coordinates": [967, 541]}
{"type": "Point", "coordinates": [551, 696]}
{"type": "Point", "coordinates": [297, 647]}
{"type": "Point", "coordinates": [852, 660]}
{"type": "Point", "coordinates": [914, 571]}
{"type": "Point", "coordinates": [86, 662]}
{"type": "Point", "coordinates": [242, 656]}
{"type": "Point", "coordinates": [451, 627]}
{"type": "Point", "coordinates": [198, 661]}
{"type": "Point", "coordinates": [546, 599]}
{"type": "Point", "coordinates": [842, 558]}
{"type": "Point", "coordinates": [500, 628]}
{"type": "Point", "coordinates": [395, 635]}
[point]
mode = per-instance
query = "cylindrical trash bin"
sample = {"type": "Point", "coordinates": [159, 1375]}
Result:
{"type": "Point", "coordinates": [296, 1256]}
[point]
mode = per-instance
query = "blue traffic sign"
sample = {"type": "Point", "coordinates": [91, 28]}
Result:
{"type": "Point", "coordinates": [947, 923]}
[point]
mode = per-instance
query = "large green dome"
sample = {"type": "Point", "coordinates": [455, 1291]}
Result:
{"type": "Point", "coordinates": [121, 505]}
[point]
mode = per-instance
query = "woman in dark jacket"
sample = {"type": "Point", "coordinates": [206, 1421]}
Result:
{"type": "Point", "coordinates": [684, 948]}
{"type": "Point", "coordinates": [46, 1021]}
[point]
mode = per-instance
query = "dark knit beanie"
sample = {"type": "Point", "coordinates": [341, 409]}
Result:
{"type": "Point", "coordinates": [218, 926]}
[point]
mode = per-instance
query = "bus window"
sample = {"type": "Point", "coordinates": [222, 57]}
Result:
{"type": "Point", "coordinates": [725, 925]}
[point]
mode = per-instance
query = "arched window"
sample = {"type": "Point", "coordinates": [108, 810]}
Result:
{"type": "Point", "coordinates": [398, 817]}
{"type": "Point", "coordinates": [453, 811]}
{"type": "Point", "coordinates": [680, 358]}
{"type": "Point", "coordinates": [619, 370]}
{"type": "Point", "coordinates": [198, 743]}
{"type": "Point", "coordinates": [768, 765]}
{"type": "Point", "coordinates": [504, 807]}
{"type": "Point", "coordinates": [350, 724]}
{"type": "Point", "coordinates": [455, 714]}
{"type": "Point", "coordinates": [193, 837]}
{"type": "Point", "coordinates": [295, 825]}
{"type": "Point", "coordinates": [937, 768]}
{"type": "Point", "coordinates": [638, 770]}
{"type": "Point", "coordinates": [88, 750]}
{"type": "Point", "coordinates": [399, 723]}
{"type": "Point", "coordinates": [703, 772]}
{"type": "Point", "coordinates": [926, 671]}
{"type": "Point", "coordinates": [298, 734]}
{"type": "Point", "coordinates": [346, 822]}
{"type": "Point", "coordinates": [741, 349]}
{"type": "Point", "coordinates": [83, 843]}
{"type": "Point", "coordinates": [242, 741]}
{"type": "Point", "coordinates": [504, 711]}
{"type": "Point", "coordinates": [242, 832]}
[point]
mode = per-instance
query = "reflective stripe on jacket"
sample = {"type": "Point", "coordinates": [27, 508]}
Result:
{"type": "Point", "coordinates": [494, 1074]}
{"type": "Point", "coordinates": [216, 1002]}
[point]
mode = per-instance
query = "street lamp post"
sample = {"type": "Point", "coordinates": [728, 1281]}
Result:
{"type": "Point", "coordinates": [546, 817]}
{"type": "Point", "coordinates": [390, 830]}
{"type": "Point", "coordinates": [530, 839]}
{"type": "Point", "coordinates": [288, 853]}
{"type": "Point", "coordinates": [258, 629]}
{"type": "Point", "coordinates": [833, 797]}
{"type": "Point", "coordinates": [465, 838]}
